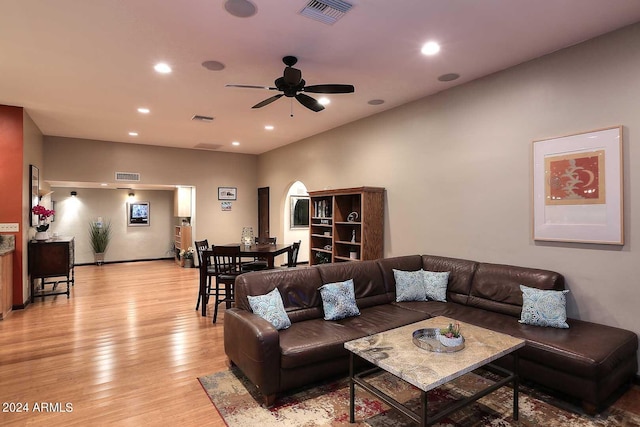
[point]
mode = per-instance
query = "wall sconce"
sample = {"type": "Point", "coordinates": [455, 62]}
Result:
{"type": "Point", "coordinates": [131, 195]}
{"type": "Point", "coordinates": [74, 193]}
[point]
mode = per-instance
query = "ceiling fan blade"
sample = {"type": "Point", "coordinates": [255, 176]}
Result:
{"type": "Point", "coordinates": [268, 101]}
{"type": "Point", "coordinates": [309, 102]}
{"type": "Point", "coordinates": [292, 76]}
{"type": "Point", "coordinates": [329, 89]}
{"type": "Point", "coordinates": [252, 87]}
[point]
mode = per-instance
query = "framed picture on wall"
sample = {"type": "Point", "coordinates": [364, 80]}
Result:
{"type": "Point", "coordinates": [138, 214]}
{"type": "Point", "coordinates": [227, 193]}
{"type": "Point", "coordinates": [299, 212]}
{"type": "Point", "coordinates": [577, 188]}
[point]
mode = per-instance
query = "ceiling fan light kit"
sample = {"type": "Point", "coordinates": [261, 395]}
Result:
{"type": "Point", "coordinates": [291, 84]}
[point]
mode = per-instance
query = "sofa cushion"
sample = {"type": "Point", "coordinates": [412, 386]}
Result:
{"type": "Point", "coordinates": [314, 341]}
{"type": "Point", "coordinates": [298, 288]}
{"type": "Point", "coordinates": [496, 287]}
{"type": "Point", "coordinates": [435, 284]}
{"type": "Point", "coordinates": [367, 279]}
{"type": "Point", "coordinates": [461, 273]}
{"type": "Point", "coordinates": [339, 300]}
{"type": "Point", "coordinates": [544, 308]}
{"type": "Point", "coordinates": [404, 263]}
{"type": "Point", "coordinates": [270, 308]}
{"type": "Point", "coordinates": [409, 285]}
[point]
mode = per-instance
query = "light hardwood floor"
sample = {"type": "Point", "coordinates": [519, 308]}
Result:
{"type": "Point", "coordinates": [125, 349]}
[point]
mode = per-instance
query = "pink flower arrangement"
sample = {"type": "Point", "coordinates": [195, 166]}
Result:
{"type": "Point", "coordinates": [43, 213]}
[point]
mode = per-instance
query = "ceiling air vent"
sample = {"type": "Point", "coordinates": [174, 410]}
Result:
{"type": "Point", "coordinates": [127, 176]}
{"type": "Point", "coordinates": [205, 146]}
{"type": "Point", "coordinates": [326, 11]}
{"type": "Point", "coordinates": [200, 118]}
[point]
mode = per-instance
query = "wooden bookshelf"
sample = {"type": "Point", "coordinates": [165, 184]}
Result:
{"type": "Point", "coordinates": [346, 225]}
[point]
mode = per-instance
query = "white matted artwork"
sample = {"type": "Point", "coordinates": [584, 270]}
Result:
{"type": "Point", "coordinates": [225, 206]}
{"type": "Point", "coordinates": [577, 188]}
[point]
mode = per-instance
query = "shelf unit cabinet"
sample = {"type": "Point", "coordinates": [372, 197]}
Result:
{"type": "Point", "coordinates": [346, 225]}
{"type": "Point", "coordinates": [52, 262]}
{"type": "Point", "coordinates": [181, 240]}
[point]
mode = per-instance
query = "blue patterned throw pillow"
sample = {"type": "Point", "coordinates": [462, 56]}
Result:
{"type": "Point", "coordinates": [339, 300]}
{"type": "Point", "coordinates": [543, 307]}
{"type": "Point", "coordinates": [435, 284]}
{"type": "Point", "coordinates": [271, 308]}
{"type": "Point", "coordinates": [409, 285]}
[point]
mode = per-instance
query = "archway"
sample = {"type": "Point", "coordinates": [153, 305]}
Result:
{"type": "Point", "coordinates": [294, 232]}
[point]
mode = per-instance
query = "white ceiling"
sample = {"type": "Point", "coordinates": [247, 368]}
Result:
{"type": "Point", "coordinates": [81, 68]}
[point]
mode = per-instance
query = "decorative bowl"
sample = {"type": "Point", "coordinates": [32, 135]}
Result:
{"type": "Point", "coordinates": [428, 339]}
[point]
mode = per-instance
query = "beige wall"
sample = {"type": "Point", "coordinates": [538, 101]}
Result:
{"type": "Point", "coordinates": [457, 165]}
{"type": "Point", "coordinates": [33, 155]}
{"type": "Point", "coordinates": [73, 215]}
{"type": "Point", "coordinates": [78, 160]}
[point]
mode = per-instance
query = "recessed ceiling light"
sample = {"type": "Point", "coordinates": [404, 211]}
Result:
{"type": "Point", "coordinates": [449, 77]}
{"type": "Point", "coordinates": [235, 143]}
{"type": "Point", "coordinates": [240, 8]}
{"type": "Point", "coordinates": [162, 67]}
{"type": "Point", "coordinates": [324, 101]}
{"type": "Point", "coordinates": [143, 110]}
{"type": "Point", "coordinates": [213, 65]}
{"type": "Point", "coordinates": [104, 184]}
{"type": "Point", "coordinates": [269, 127]}
{"type": "Point", "coordinates": [376, 102]}
{"type": "Point", "coordinates": [133, 133]}
{"type": "Point", "coordinates": [430, 48]}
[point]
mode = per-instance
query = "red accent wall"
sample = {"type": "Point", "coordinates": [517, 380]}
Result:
{"type": "Point", "coordinates": [11, 179]}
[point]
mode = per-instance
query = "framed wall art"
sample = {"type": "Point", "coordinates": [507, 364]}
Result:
{"type": "Point", "coordinates": [227, 193]}
{"type": "Point", "coordinates": [577, 188]}
{"type": "Point", "coordinates": [138, 214]}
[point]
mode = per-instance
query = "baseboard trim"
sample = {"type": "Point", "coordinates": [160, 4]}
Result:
{"type": "Point", "coordinates": [126, 260]}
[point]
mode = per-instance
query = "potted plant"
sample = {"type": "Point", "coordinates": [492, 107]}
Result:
{"type": "Point", "coordinates": [450, 336]}
{"type": "Point", "coordinates": [99, 236]}
{"type": "Point", "coordinates": [42, 227]}
{"type": "Point", "coordinates": [187, 257]}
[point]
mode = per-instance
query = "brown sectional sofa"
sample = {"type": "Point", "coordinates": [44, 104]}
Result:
{"type": "Point", "coordinates": [588, 361]}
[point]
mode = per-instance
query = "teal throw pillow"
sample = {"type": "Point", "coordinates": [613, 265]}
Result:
{"type": "Point", "coordinates": [544, 307]}
{"type": "Point", "coordinates": [435, 285]}
{"type": "Point", "coordinates": [409, 285]}
{"type": "Point", "coordinates": [271, 308]}
{"type": "Point", "coordinates": [339, 300]}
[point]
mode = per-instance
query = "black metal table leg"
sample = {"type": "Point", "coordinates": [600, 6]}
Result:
{"type": "Point", "coordinates": [516, 385]}
{"type": "Point", "coordinates": [352, 392]}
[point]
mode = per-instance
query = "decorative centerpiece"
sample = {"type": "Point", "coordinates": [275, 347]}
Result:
{"type": "Point", "coordinates": [450, 337]}
{"type": "Point", "coordinates": [42, 227]}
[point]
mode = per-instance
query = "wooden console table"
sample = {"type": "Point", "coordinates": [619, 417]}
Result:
{"type": "Point", "coordinates": [52, 263]}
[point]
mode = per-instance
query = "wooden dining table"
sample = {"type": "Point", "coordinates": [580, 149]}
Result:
{"type": "Point", "coordinates": [266, 251]}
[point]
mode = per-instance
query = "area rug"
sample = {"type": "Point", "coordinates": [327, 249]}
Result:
{"type": "Point", "coordinates": [327, 404]}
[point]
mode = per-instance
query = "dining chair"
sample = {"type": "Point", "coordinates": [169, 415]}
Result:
{"type": "Point", "coordinates": [226, 261]}
{"type": "Point", "coordinates": [293, 256]}
{"type": "Point", "coordinates": [207, 271]}
{"type": "Point", "coordinates": [258, 263]}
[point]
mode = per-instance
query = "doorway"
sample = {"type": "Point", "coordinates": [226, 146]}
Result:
{"type": "Point", "coordinates": [263, 212]}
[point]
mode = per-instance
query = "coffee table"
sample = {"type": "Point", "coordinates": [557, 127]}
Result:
{"type": "Point", "coordinates": [395, 352]}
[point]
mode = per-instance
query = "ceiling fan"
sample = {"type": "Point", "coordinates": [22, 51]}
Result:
{"type": "Point", "coordinates": [292, 85]}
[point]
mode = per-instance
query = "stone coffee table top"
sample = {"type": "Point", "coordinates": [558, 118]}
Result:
{"type": "Point", "coordinates": [395, 352]}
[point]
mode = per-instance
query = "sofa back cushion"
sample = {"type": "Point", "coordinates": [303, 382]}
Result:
{"type": "Point", "coordinates": [298, 287]}
{"type": "Point", "coordinates": [461, 272]}
{"type": "Point", "coordinates": [367, 280]}
{"type": "Point", "coordinates": [403, 263]}
{"type": "Point", "coordinates": [496, 287]}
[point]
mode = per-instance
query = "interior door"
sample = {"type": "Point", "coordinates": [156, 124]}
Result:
{"type": "Point", "coordinates": [263, 212]}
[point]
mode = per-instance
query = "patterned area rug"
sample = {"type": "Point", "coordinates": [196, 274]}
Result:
{"type": "Point", "coordinates": [327, 404]}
